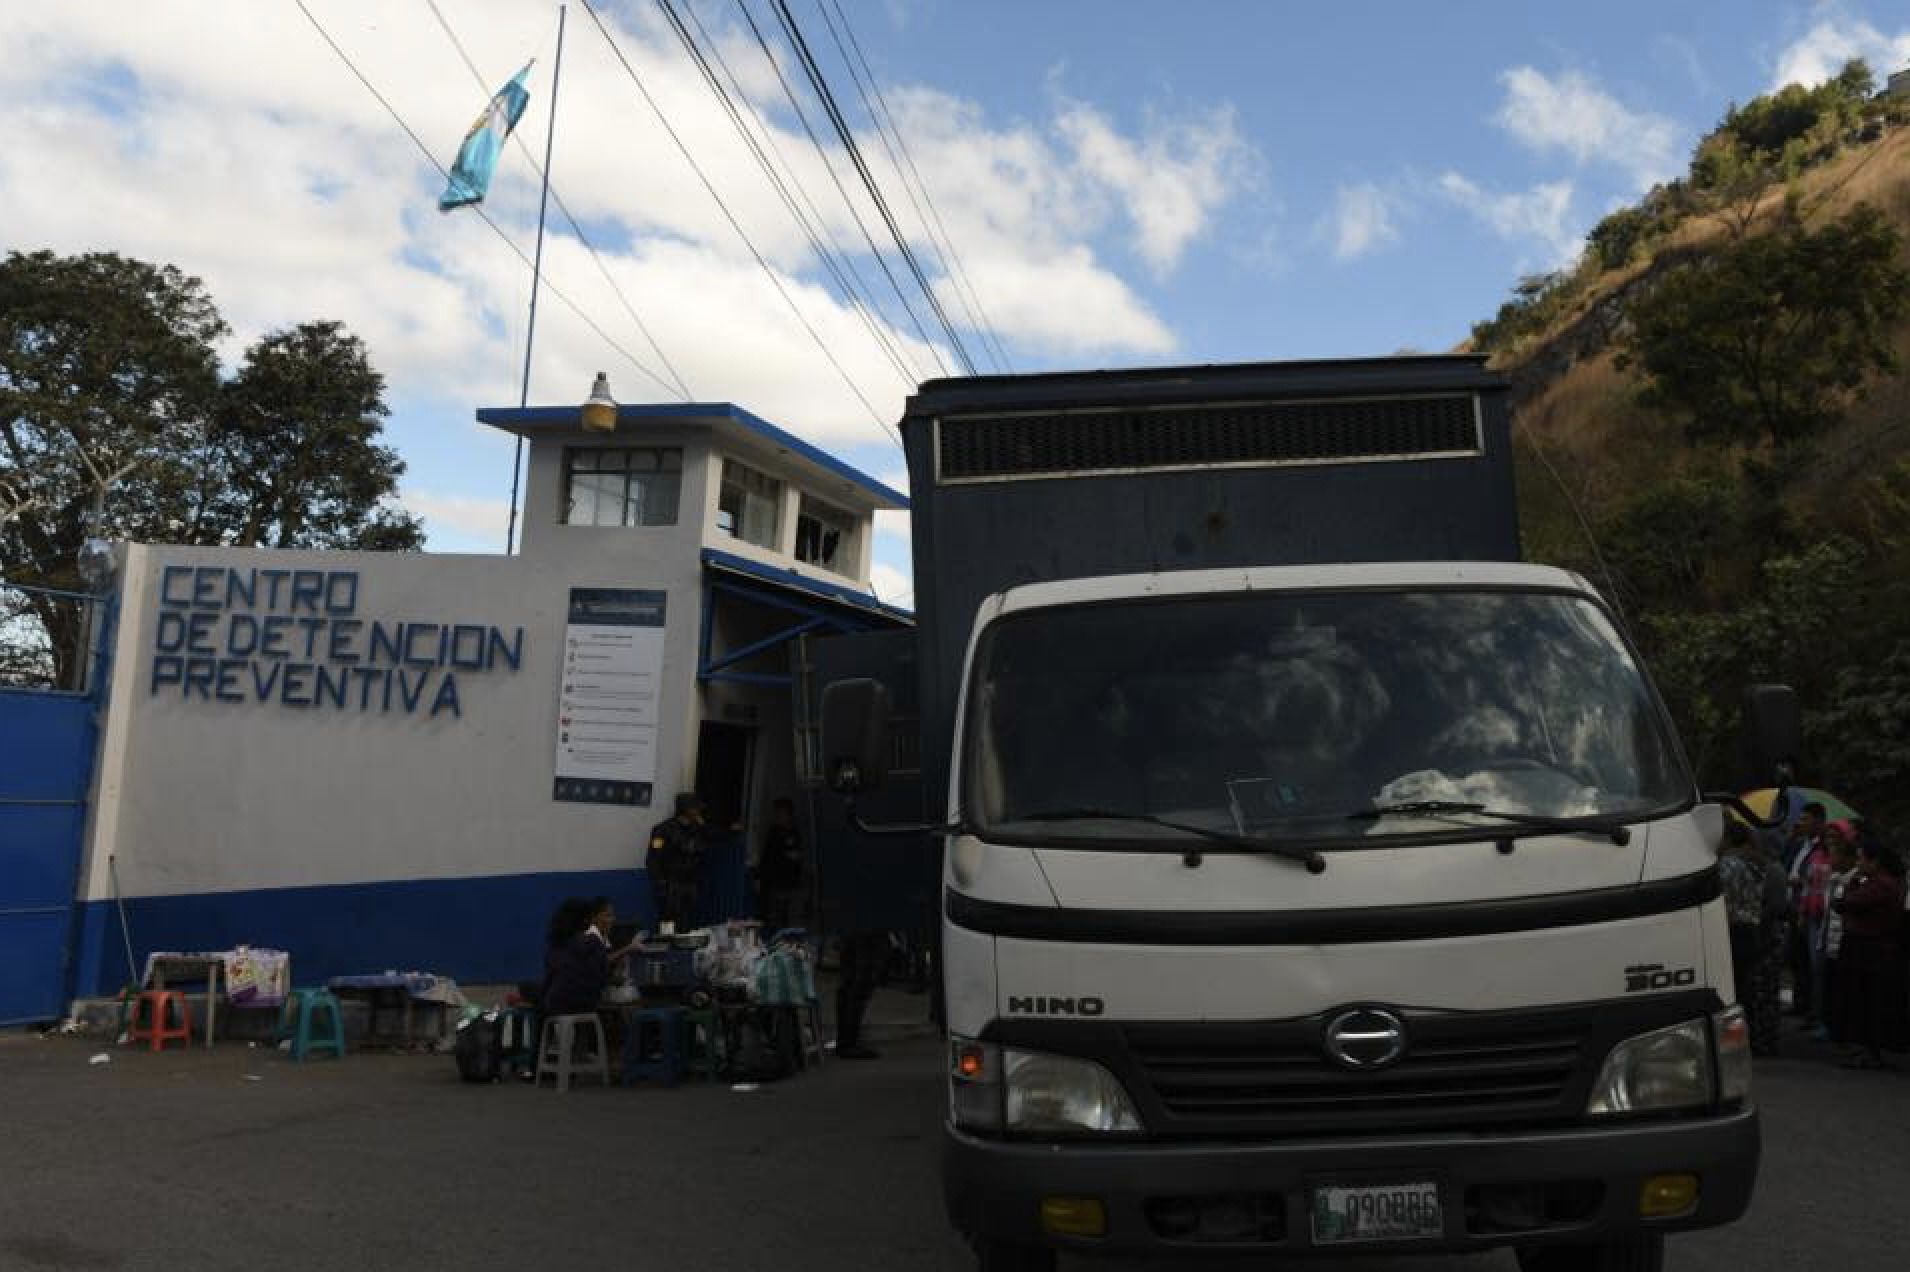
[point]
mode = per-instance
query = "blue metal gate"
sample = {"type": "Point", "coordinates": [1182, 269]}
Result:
{"type": "Point", "coordinates": [47, 739]}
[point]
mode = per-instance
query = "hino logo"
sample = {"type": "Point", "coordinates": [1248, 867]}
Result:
{"type": "Point", "coordinates": [1366, 1038]}
{"type": "Point", "coordinates": [1040, 1005]}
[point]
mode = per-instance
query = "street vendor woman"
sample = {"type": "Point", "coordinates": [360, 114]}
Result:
{"type": "Point", "coordinates": [676, 853]}
{"type": "Point", "coordinates": [577, 969]}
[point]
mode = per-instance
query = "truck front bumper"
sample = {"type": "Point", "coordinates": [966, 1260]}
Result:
{"type": "Point", "coordinates": [1540, 1187]}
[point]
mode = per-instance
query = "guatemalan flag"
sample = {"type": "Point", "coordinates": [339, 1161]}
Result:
{"type": "Point", "coordinates": [477, 157]}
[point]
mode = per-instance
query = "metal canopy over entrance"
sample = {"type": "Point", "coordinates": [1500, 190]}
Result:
{"type": "Point", "coordinates": [752, 611]}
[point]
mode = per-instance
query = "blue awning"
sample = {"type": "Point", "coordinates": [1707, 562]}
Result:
{"type": "Point", "coordinates": [814, 606]}
{"type": "Point", "coordinates": [807, 585]}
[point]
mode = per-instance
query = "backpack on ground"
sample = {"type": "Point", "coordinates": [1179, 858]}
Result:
{"type": "Point", "coordinates": [763, 1044]}
{"type": "Point", "coordinates": [480, 1048]}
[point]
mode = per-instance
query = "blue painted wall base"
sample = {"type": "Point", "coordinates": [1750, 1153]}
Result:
{"type": "Point", "coordinates": [478, 931]}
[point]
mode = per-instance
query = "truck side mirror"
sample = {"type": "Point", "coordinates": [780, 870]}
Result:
{"type": "Point", "coordinates": [855, 735]}
{"type": "Point", "coordinates": [1771, 735]}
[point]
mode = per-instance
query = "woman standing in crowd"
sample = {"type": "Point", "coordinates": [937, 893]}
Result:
{"type": "Point", "coordinates": [1756, 899]}
{"type": "Point", "coordinates": [1840, 841]}
{"type": "Point", "coordinates": [1869, 1007]}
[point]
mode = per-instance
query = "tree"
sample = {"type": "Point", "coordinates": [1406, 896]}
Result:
{"type": "Point", "coordinates": [1794, 629]}
{"type": "Point", "coordinates": [106, 372]}
{"type": "Point", "coordinates": [1770, 337]}
{"type": "Point", "coordinates": [1863, 733]}
{"type": "Point", "coordinates": [298, 428]}
{"type": "Point", "coordinates": [1617, 238]}
{"type": "Point", "coordinates": [1666, 538]}
{"type": "Point", "coordinates": [114, 423]}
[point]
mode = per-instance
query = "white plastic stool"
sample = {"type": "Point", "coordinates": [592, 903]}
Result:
{"type": "Point", "coordinates": [557, 1051]}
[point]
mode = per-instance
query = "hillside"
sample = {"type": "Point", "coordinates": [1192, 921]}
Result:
{"type": "Point", "coordinates": [1572, 397]}
{"type": "Point", "coordinates": [1737, 559]}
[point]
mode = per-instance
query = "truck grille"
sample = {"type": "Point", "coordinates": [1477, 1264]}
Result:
{"type": "Point", "coordinates": [1457, 1071]}
{"type": "Point", "coordinates": [1076, 443]}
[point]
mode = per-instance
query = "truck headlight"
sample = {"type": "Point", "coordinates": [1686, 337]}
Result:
{"type": "Point", "coordinates": [994, 1088]}
{"type": "Point", "coordinates": [1059, 1093]}
{"type": "Point", "coordinates": [1665, 1069]}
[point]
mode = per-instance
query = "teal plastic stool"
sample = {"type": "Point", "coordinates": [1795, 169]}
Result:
{"type": "Point", "coordinates": [304, 1020]}
{"type": "Point", "coordinates": [521, 1029]}
{"type": "Point", "coordinates": [655, 1047]}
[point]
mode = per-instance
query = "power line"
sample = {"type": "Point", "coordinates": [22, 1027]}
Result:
{"type": "Point", "coordinates": [729, 216]}
{"type": "Point", "coordinates": [822, 155]}
{"type": "Point", "coordinates": [479, 209]}
{"type": "Point", "coordinates": [861, 295]}
{"type": "Point", "coordinates": [847, 136]}
{"type": "Point", "coordinates": [939, 237]}
{"type": "Point", "coordinates": [576, 229]}
{"type": "Point", "coordinates": [833, 258]}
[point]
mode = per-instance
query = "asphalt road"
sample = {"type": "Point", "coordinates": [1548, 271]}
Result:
{"type": "Point", "coordinates": [238, 1158]}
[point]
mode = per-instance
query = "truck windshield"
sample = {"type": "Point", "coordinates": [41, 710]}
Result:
{"type": "Point", "coordinates": [1288, 714]}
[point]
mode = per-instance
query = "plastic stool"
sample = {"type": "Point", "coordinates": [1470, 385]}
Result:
{"type": "Point", "coordinates": [156, 1007]}
{"type": "Point", "coordinates": [667, 1025]}
{"type": "Point", "coordinates": [557, 1052]}
{"type": "Point", "coordinates": [810, 1014]}
{"type": "Point", "coordinates": [304, 1020]}
{"type": "Point", "coordinates": [703, 1039]}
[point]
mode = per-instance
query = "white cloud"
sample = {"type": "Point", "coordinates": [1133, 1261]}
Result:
{"type": "Point", "coordinates": [470, 518]}
{"type": "Point", "coordinates": [1169, 181]}
{"type": "Point", "coordinates": [1821, 52]}
{"type": "Point", "coordinates": [892, 585]}
{"type": "Point", "coordinates": [1541, 215]}
{"type": "Point", "coordinates": [1363, 220]}
{"type": "Point", "coordinates": [1025, 207]}
{"type": "Point", "coordinates": [1571, 113]}
{"type": "Point", "coordinates": [255, 161]}
{"type": "Point", "coordinates": [894, 526]}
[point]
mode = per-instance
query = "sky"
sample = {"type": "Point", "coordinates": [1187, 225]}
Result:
{"type": "Point", "coordinates": [1083, 183]}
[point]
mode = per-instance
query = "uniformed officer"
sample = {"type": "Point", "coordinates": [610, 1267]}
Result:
{"type": "Point", "coordinates": [676, 854]}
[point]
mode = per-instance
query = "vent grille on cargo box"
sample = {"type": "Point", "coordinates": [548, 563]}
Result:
{"type": "Point", "coordinates": [1075, 443]}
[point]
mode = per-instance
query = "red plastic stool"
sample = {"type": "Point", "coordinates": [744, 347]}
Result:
{"type": "Point", "coordinates": [152, 1008]}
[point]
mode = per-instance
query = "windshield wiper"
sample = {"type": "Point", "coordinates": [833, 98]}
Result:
{"type": "Point", "coordinates": [1618, 834]}
{"type": "Point", "coordinates": [1308, 857]}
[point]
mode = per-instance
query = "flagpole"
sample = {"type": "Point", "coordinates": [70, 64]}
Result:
{"type": "Point", "coordinates": [537, 274]}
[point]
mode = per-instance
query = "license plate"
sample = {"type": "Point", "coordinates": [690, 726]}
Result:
{"type": "Point", "coordinates": [1385, 1212]}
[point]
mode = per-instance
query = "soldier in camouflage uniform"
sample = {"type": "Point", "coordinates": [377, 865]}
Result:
{"type": "Point", "coordinates": [675, 856]}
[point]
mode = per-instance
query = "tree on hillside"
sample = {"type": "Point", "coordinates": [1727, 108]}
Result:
{"type": "Point", "coordinates": [114, 423]}
{"type": "Point", "coordinates": [1771, 337]}
{"type": "Point", "coordinates": [1774, 138]}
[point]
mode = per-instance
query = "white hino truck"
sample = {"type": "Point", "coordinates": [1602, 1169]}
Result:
{"type": "Point", "coordinates": [1316, 876]}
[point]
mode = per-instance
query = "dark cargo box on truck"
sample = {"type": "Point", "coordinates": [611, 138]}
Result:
{"type": "Point", "coordinates": [1021, 479]}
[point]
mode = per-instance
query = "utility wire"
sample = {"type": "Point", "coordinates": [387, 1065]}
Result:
{"type": "Point", "coordinates": [861, 295]}
{"type": "Point", "coordinates": [842, 191]}
{"type": "Point", "coordinates": [729, 216]}
{"type": "Point", "coordinates": [939, 237]}
{"type": "Point", "coordinates": [576, 229]}
{"type": "Point", "coordinates": [847, 136]}
{"type": "Point", "coordinates": [478, 208]}
{"type": "Point", "coordinates": [833, 258]}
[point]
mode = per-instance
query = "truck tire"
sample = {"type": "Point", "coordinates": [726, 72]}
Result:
{"type": "Point", "coordinates": [997, 1256]}
{"type": "Point", "coordinates": [1632, 1254]}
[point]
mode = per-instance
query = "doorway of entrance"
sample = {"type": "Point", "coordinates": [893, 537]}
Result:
{"type": "Point", "coordinates": [722, 772]}
{"type": "Point", "coordinates": [723, 754]}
